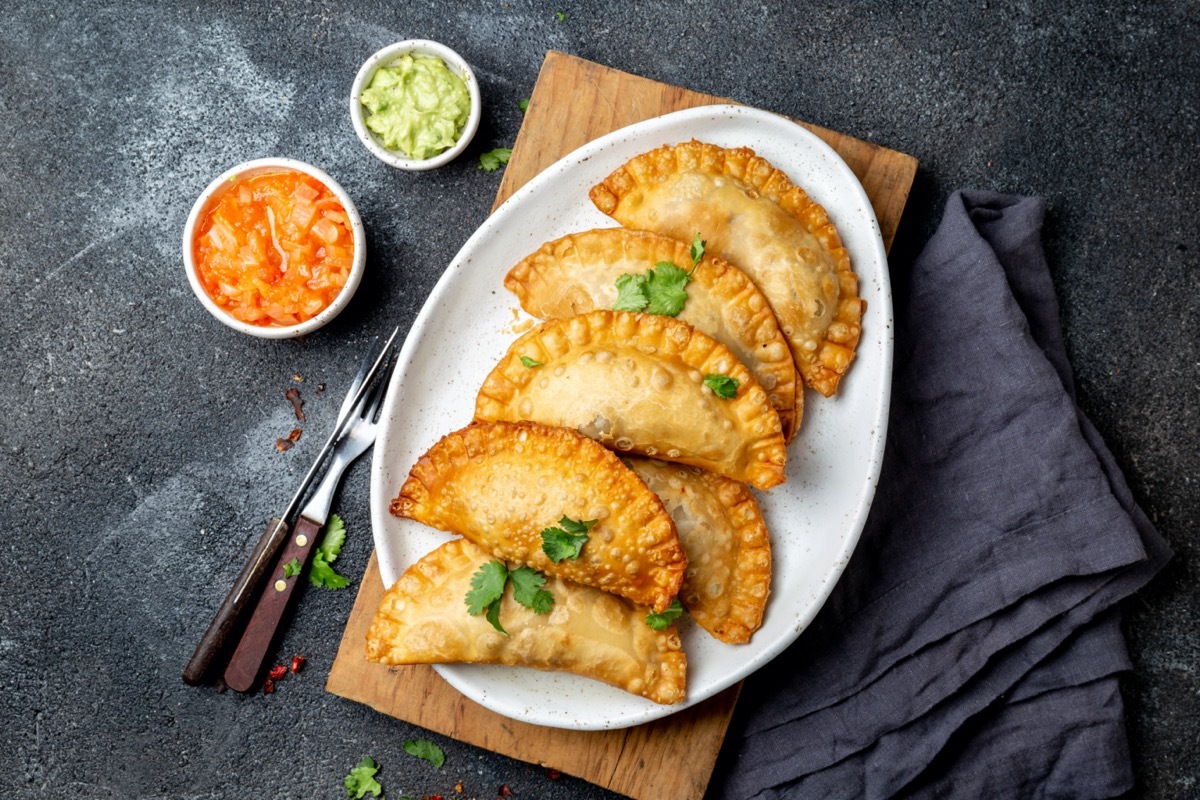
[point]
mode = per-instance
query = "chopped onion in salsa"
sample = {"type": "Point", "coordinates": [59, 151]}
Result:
{"type": "Point", "coordinates": [275, 250]}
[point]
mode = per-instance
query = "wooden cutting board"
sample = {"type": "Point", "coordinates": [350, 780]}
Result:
{"type": "Point", "coordinates": [573, 102]}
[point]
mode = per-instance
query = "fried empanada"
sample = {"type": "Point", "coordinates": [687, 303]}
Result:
{"type": "Point", "coordinates": [423, 619]}
{"type": "Point", "coordinates": [637, 382]}
{"type": "Point", "coordinates": [728, 576]}
{"type": "Point", "coordinates": [578, 273]}
{"type": "Point", "coordinates": [752, 215]}
{"type": "Point", "coordinates": [500, 484]}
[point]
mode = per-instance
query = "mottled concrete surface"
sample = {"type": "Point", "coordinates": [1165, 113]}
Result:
{"type": "Point", "coordinates": [138, 462]}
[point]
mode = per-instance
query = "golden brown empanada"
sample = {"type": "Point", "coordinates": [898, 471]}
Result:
{"type": "Point", "coordinates": [500, 484]}
{"type": "Point", "coordinates": [752, 215]}
{"type": "Point", "coordinates": [423, 619]}
{"type": "Point", "coordinates": [636, 382]}
{"type": "Point", "coordinates": [578, 273]}
{"type": "Point", "coordinates": [728, 576]}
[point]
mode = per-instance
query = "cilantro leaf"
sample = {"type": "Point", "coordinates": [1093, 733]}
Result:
{"type": "Point", "coordinates": [362, 779]}
{"type": "Point", "coordinates": [487, 587]}
{"type": "Point", "coordinates": [523, 104]}
{"type": "Point", "coordinates": [567, 540]}
{"type": "Point", "coordinates": [697, 251]}
{"type": "Point", "coordinates": [530, 363]}
{"type": "Point", "coordinates": [560, 16]}
{"type": "Point", "coordinates": [666, 287]}
{"type": "Point", "coordinates": [291, 568]}
{"type": "Point", "coordinates": [320, 573]}
{"type": "Point", "coordinates": [527, 589]}
{"type": "Point", "coordinates": [662, 619]}
{"type": "Point", "coordinates": [494, 159]}
{"type": "Point", "coordinates": [631, 293]}
{"type": "Point", "coordinates": [722, 386]}
{"type": "Point", "coordinates": [492, 615]}
{"type": "Point", "coordinates": [423, 748]}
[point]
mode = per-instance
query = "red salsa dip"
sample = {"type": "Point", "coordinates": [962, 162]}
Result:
{"type": "Point", "coordinates": [275, 248]}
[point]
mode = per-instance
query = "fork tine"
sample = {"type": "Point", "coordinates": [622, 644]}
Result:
{"type": "Point", "coordinates": [348, 403]}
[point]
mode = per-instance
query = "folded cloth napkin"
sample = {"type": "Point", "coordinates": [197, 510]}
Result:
{"type": "Point", "coordinates": [971, 646]}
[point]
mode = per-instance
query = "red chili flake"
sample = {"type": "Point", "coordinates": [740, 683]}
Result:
{"type": "Point", "coordinates": [294, 436]}
{"type": "Point", "coordinates": [553, 774]}
{"type": "Point", "coordinates": [297, 664]}
{"type": "Point", "coordinates": [504, 791]}
{"type": "Point", "coordinates": [268, 686]}
{"type": "Point", "coordinates": [277, 673]}
{"type": "Point", "coordinates": [284, 444]}
{"type": "Point", "coordinates": [293, 396]}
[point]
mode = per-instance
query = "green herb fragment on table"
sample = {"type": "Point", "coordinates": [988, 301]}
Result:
{"type": "Point", "coordinates": [292, 568]}
{"type": "Point", "coordinates": [523, 104]}
{"type": "Point", "coordinates": [321, 573]}
{"type": "Point", "coordinates": [361, 779]}
{"type": "Point", "coordinates": [494, 159]}
{"type": "Point", "coordinates": [662, 619]}
{"type": "Point", "coordinates": [567, 540]}
{"type": "Point", "coordinates": [722, 386]}
{"type": "Point", "coordinates": [560, 16]}
{"type": "Point", "coordinates": [427, 750]}
{"type": "Point", "coordinates": [530, 363]}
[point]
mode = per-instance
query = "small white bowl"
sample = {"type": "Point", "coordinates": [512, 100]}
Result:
{"type": "Point", "coordinates": [212, 195]}
{"type": "Point", "coordinates": [454, 62]}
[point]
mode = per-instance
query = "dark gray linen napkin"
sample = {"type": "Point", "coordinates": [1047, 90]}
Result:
{"type": "Point", "coordinates": [970, 646]}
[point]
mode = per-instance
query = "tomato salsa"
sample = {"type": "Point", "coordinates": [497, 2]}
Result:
{"type": "Point", "coordinates": [275, 249]}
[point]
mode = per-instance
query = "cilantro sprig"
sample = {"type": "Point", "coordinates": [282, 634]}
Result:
{"type": "Point", "coordinates": [493, 160]}
{"type": "Point", "coordinates": [361, 780]}
{"type": "Point", "coordinates": [662, 289]}
{"type": "Point", "coordinates": [487, 590]}
{"type": "Point", "coordinates": [530, 363]}
{"type": "Point", "coordinates": [661, 619]}
{"type": "Point", "coordinates": [567, 540]}
{"type": "Point", "coordinates": [722, 386]}
{"type": "Point", "coordinates": [321, 573]}
{"type": "Point", "coordinates": [426, 750]}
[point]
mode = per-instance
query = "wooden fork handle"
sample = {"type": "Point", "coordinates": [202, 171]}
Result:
{"type": "Point", "coordinates": [260, 631]}
{"type": "Point", "coordinates": [235, 603]}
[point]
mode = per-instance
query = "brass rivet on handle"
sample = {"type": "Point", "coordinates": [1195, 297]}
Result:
{"type": "Point", "coordinates": [301, 540]}
{"type": "Point", "coordinates": [280, 585]}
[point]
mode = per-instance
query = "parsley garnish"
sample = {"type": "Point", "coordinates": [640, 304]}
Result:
{"type": "Point", "coordinates": [362, 779]}
{"type": "Point", "coordinates": [530, 363]}
{"type": "Point", "coordinates": [722, 386]}
{"type": "Point", "coordinates": [494, 159]}
{"type": "Point", "coordinates": [527, 586]}
{"type": "Point", "coordinates": [523, 104]}
{"type": "Point", "coordinates": [423, 748]}
{"type": "Point", "coordinates": [560, 16]}
{"type": "Point", "coordinates": [291, 568]}
{"type": "Point", "coordinates": [662, 619]}
{"type": "Point", "coordinates": [321, 573]}
{"type": "Point", "coordinates": [567, 540]}
{"type": "Point", "coordinates": [660, 291]}
{"type": "Point", "coordinates": [487, 589]}
{"type": "Point", "coordinates": [698, 245]}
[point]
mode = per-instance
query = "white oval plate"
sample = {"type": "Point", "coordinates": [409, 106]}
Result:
{"type": "Point", "coordinates": [469, 321]}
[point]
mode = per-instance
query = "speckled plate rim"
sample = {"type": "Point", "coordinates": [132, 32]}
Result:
{"type": "Point", "coordinates": [469, 321]}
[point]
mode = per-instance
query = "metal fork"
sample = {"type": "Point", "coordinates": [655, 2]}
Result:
{"type": "Point", "coordinates": [272, 604]}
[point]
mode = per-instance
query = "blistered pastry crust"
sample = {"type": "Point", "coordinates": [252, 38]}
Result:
{"type": "Point", "coordinates": [577, 274]}
{"type": "Point", "coordinates": [635, 382]}
{"type": "Point", "coordinates": [728, 576]}
{"type": "Point", "coordinates": [500, 484]}
{"type": "Point", "coordinates": [752, 215]}
{"type": "Point", "coordinates": [423, 619]}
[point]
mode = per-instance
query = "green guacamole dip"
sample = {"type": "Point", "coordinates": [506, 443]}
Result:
{"type": "Point", "coordinates": [417, 106]}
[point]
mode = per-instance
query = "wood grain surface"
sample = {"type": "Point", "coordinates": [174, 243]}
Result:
{"type": "Point", "coordinates": [573, 102]}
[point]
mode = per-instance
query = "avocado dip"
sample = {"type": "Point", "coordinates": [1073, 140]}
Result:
{"type": "Point", "coordinates": [417, 106]}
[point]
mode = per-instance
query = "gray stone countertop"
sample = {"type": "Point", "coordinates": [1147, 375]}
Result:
{"type": "Point", "coordinates": [138, 461]}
